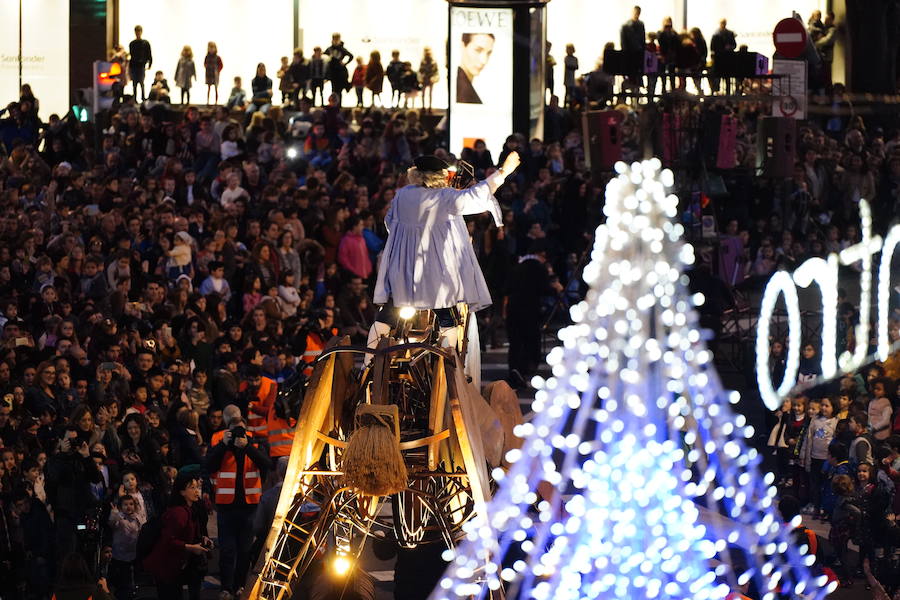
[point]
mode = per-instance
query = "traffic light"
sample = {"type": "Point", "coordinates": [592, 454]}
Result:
{"type": "Point", "coordinates": [107, 84]}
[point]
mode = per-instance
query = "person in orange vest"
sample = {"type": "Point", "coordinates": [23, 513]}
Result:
{"type": "Point", "coordinates": [281, 421]}
{"type": "Point", "coordinates": [320, 330]}
{"type": "Point", "coordinates": [236, 467]}
{"type": "Point", "coordinates": [260, 392]}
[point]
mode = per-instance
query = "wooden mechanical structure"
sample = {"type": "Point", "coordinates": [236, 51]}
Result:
{"type": "Point", "coordinates": [449, 437]}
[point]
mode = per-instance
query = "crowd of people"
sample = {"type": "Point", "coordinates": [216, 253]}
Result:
{"type": "Point", "coordinates": [654, 62]}
{"type": "Point", "coordinates": [163, 273]}
{"type": "Point", "coordinates": [837, 454]}
{"type": "Point", "coordinates": [297, 77]}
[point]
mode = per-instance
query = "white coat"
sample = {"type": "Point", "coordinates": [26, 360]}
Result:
{"type": "Point", "coordinates": [428, 260]}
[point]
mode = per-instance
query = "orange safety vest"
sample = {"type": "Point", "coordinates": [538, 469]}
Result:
{"type": "Point", "coordinates": [258, 409]}
{"type": "Point", "coordinates": [314, 347]}
{"type": "Point", "coordinates": [225, 479]}
{"type": "Point", "coordinates": [281, 435]}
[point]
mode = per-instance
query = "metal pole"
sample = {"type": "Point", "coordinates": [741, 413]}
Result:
{"type": "Point", "coordinates": [20, 46]}
{"type": "Point", "coordinates": [296, 23]}
{"type": "Point", "coordinates": [684, 13]}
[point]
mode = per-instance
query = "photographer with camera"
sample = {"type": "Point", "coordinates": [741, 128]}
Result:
{"type": "Point", "coordinates": [70, 473]}
{"type": "Point", "coordinates": [236, 466]}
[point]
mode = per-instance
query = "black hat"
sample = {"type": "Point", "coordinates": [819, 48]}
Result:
{"type": "Point", "coordinates": [430, 163]}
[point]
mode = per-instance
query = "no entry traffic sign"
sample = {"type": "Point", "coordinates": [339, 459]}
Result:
{"type": "Point", "coordinates": [790, 38]}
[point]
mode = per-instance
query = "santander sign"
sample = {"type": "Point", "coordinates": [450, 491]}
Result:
{"type": "Point", "coordinates": [823, 272]}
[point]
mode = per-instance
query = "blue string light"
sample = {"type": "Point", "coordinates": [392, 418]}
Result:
{"type": "Point", "coordinates": [634, 480]}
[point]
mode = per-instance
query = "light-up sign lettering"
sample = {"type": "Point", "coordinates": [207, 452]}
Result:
{"type": "Point", "coordinates": [824, 273]}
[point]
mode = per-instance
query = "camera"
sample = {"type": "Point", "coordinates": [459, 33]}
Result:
{"type": "Point", "coordinates": [238, 432]}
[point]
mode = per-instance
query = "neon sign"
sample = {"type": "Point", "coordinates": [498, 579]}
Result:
{"type": "Point", "coordinates": [824, 273]}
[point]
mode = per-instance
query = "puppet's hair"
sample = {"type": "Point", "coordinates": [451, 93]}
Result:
{"type": "Point", "coordinates": [429, 179]}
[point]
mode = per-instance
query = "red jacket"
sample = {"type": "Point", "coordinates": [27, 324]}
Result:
{"type": "Point", "coordinates": [353, 255]}
{"type": "Point", "coordinates": [167, 559]}
{"type": "Point", "coordinates": [359, 76]}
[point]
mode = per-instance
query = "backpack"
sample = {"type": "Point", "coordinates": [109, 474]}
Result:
{"type": "Point", "coordinates": [148, 536]}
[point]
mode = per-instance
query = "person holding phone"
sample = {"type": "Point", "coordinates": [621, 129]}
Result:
{"type": "Point", "coordinates": [139, 451]}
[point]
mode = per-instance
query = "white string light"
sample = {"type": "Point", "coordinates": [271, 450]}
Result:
{"type": "Point", "coordinates": [862, 252]}
{"type": "Point", "coordinates": [884, 291]}
{"type": "Point", "coordinates": [825, 273]}
{"type": "Point", "coordinates": [781, 284]}
{"type": "Point", "coordinates": [631, 437]}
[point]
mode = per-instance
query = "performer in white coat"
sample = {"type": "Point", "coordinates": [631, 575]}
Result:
{"type": "Point", "coordinates": [428, 260]}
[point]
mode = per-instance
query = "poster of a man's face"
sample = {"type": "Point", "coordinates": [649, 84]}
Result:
{"type": "Point", "coordinates": [475, 53]}
{"type": "Point", "coordinates": [480, 72]}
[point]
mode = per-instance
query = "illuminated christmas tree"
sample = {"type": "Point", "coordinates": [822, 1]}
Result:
{"type": "Point", "coordinates": [649, 488]}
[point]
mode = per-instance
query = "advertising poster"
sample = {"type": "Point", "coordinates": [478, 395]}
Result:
{"type": "Point", "coordinates": [481, 77]}
{"type": "Point", "coordinates": [45, 52]}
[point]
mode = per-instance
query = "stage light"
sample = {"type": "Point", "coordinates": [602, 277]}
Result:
{"type": "Point", "coordinates": [292, 153]}
{"type": "Point", "coordinates": [407, 313]}
{"type": "Point", "coordinates": [341, 565]}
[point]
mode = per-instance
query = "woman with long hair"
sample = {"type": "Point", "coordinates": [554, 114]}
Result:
{"type": "Point", "coordinates": [43, 393]}
{"type": "Point", "coordinates": [262, 92]}
{"type": "Point", "coordinates": [185, 441]}
{"type": "Point", "coordinates": [263, 264]}
{"type": "Point", "coordinates": [83, 421]}
{"type": "Point", "coordinates": [252, 293]}
{"type": "Point", "coordinates": [185, 71]}
{"type": "Point", "coordinates": [212, 64]}
{"type": "Point", "coordinates": [699, 42]}
{"type": "Point", "coordinates": [332, 231]}
{"type": "Point", "coordinates": [178, 301]}
{"type": "Point", "coordinates": [179, 556]}
{"type": "Point", "coordinates": [375, 76]}
{"type": "Point", "coordinates": [290, 259]}
{"type": "Point", "coordinates": [288, 296]}
{"type": "Point", "coordinates": [139, 451]}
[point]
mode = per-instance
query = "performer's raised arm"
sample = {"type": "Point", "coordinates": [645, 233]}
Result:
{"type": "Point", "coordinates": [480, 197]}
